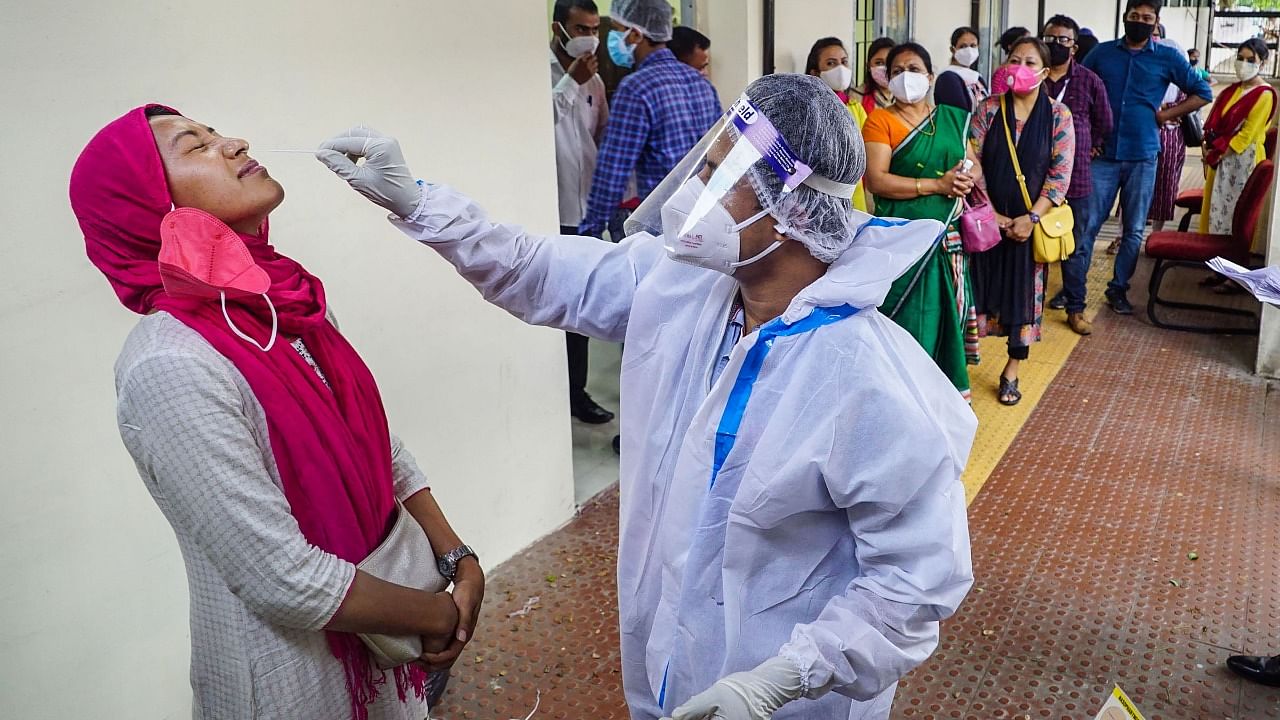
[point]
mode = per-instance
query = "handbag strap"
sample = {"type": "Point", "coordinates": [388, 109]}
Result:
{"type": "Point", "coordinates": [1013, 152]}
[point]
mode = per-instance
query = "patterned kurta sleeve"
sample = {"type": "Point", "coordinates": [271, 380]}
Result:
{"type": "Point", "coordinates": [982, 119]}
{"type": "Point", "coordinates": [1064, 154]}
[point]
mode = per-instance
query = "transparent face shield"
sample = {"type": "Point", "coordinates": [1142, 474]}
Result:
{"type": "Point", "coordinates": [712, 194]}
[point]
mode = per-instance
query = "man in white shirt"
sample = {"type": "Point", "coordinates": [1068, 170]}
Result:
{"type": "Point", "coordinates": [581, 111]}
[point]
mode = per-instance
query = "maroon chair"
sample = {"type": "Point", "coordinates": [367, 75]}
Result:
{"type": "Point", "coordinates": [1173, 248]}
{"type": "Point", "coordinates": [1189, 200]}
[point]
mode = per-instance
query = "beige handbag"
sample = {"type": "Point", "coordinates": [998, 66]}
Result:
{"type": "Point", "coordinates": [404, 558]}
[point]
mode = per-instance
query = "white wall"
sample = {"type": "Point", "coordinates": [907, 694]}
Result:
{"type": "Point", "coordinates": [736, 34]}
{"type": "Point", "coordinates": [798, 23]}
{"type": "Point", "coordinates": [94, 596]}
{"type": "Point", "coordinates": [935, 20]}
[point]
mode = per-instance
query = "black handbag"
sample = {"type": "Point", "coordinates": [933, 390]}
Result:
{"type": "Point", "coordinates": [1192, 130]}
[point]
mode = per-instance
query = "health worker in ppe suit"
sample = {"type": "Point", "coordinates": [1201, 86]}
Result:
{"type": "Point", "coordinates": [793, 524]}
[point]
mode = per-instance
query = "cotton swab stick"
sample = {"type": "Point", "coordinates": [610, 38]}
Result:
{"type": "Point", "coordinates": [302, 152]}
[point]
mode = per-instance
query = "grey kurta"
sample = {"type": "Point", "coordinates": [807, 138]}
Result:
{"type": "Point", "coordinates": [260, 593]}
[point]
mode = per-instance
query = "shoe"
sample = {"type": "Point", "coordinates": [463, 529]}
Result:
{"type": "Point", "coordinates": [1259, 669]}
{"type": "Point", "coordinates": [617, 444]}
{"type": "Point", "coordinates": [1059, 301]}
{"type": "Point", "coordinates": [1118, 303]}
{"type": "Point", "coordinates": [586, 410]}
{"type": "Point", "coordinates": [1078, 324]}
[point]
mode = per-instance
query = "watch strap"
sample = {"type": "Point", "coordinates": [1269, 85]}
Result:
{"type": "Point", "coordinates": [448, 563]}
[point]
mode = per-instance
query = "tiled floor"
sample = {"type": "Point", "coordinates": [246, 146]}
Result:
{"type": "Point", "coordinates": [1149, 449]}
{"type": "Point", "coordinates": [549, 625]}
{"type": "Point", "coordinates": [1148, 446]}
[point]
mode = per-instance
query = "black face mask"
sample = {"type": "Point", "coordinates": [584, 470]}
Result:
{"type": "Point", "coordinates": [1059, 54]}
{"type": "Point", "coordinates": [1195, 61]}
{"type": "Point", "coordinates": [1137, 32]}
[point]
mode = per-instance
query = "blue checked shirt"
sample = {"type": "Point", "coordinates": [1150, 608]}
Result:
{"type": "Point", "coordinates": [1136, 81]}
{"type": "Point", "coordinates": [658, 114]}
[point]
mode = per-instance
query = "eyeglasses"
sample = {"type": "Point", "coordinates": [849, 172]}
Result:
{"type": "Point", "coordinates": [1064, 40]}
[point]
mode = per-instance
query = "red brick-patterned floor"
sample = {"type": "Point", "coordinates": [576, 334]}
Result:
{"type": "Point", "coordinates": [1149, 446]}
{"type": "Point", "coordinates": [1149, 449]}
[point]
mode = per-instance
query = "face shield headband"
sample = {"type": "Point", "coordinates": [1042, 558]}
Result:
{"type": "Point", "coordinates": [694, 208]}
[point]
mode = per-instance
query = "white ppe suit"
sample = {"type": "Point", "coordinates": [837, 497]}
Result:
{"type": "Point", "coordinates": [834, 534]}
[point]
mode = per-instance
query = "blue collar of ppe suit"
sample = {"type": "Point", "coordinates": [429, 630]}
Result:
{"type": "Point", "coordinates": [736, 406]}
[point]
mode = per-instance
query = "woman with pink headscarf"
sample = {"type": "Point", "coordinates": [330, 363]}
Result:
{"type": "Point", "coordinates": [261, 435]}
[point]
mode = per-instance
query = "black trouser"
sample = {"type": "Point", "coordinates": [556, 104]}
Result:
{"type": "Point", "coordinates": [576, 349]}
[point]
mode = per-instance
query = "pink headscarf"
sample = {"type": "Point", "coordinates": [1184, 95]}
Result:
{"type": "Point", "coordinates": [332, 447]}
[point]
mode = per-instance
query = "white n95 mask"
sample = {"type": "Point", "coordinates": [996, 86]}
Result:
{"type": "Point", "coordinates": [838, 78]}
{"type": "Point", "coordinates": [579, 46]}
{"type": "Point", "coordinates": [967, 56]}
{"type": "Point", "coordinates": [1246, 70]}
{"type": "Point", "coordinates": [704, 233]}
{"type": "Point", "coordinates": [910, 87]}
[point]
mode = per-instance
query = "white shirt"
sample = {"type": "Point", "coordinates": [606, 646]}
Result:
{"type": "Point", "coordinates": [1171, 92]}
{"type": "Point", "coordinates": [581, 112]}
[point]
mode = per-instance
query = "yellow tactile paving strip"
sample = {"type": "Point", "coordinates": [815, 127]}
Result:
{"type": "Point", "coordinates": [999, 425]}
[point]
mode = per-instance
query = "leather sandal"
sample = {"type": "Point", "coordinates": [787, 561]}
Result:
{"type": "Point", "coordinates": [1009, 393]}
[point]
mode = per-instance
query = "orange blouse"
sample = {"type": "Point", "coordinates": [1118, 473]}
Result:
{"type": "Point", "coordinates": [885, 127]}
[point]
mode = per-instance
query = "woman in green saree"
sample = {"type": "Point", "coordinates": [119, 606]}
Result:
{"type": "Point", "coordinates": [916, 170]}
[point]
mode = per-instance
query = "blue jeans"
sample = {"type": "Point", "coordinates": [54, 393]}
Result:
{"type": "Point", "coordinates": [1135, 180]}
{"type": "Point", "coordinates": [1075, 269]}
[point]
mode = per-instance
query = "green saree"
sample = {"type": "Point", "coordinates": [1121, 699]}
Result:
{"type": "Point", "coordinates": [934, 299]}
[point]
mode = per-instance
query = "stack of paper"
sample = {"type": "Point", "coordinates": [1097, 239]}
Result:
{"type": "Point", "coordinates": [1263, 283]}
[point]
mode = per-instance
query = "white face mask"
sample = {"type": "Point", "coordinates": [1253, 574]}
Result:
{"type": "Point", "coordinates": [910, 87]}
{"type": "Point", "coordinates": [1246, 70]}
{"type": "Point", "coordinates": [711, 241]}
{"type": "Point", "coordinates": [838, 78]}
{"type": "Point", "coordinates": [967, 56]}
{"type": "Point", "coordinates": [579, 46]}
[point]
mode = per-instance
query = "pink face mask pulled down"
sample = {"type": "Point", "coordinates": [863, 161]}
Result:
{"type": "Point", "coordinates": [201, 257]}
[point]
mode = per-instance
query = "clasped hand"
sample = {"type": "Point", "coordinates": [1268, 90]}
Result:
{"type": "Point", "coordinates": [441, 651]}
{"type": "Point", "coordinates": [1017, 229]}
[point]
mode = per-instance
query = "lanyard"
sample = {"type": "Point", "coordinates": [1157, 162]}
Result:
{"type": "Point", "coordinates": [1063, 92]}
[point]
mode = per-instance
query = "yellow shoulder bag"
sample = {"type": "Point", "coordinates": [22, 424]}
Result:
{"type": "Point", "coordinates": [1052, 239]}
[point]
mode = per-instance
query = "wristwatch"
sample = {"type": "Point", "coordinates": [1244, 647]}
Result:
{"type": "Point", "coordinates": [1035, 219]}
{"type": "Point", "coordinates": [448, 564]}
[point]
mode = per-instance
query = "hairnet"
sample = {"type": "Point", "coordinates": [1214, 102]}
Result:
{"type": "Point", "coordinates": [821, 131]}
{"type": "Point", "coordinates": [651, 17]}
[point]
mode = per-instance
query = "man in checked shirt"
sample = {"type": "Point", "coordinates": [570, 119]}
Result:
{"type": "Point", "coordinates": [656, 116]}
